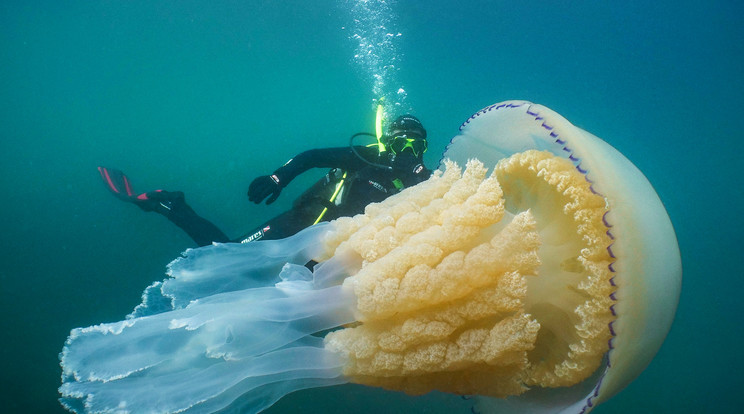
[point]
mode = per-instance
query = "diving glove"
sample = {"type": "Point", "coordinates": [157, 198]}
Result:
{"type": "Point", "coordinates": [265, 186]}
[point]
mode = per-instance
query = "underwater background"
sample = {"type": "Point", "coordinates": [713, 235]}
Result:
{"type": "Point", "coordinates": [203, 96]}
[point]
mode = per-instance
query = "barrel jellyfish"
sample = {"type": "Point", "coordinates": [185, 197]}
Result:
{"type": "Point", "coordinates": [536, 270]}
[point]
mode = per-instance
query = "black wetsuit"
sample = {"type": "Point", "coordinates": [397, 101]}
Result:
{"type": "Point", "coordinates": [362, 184]}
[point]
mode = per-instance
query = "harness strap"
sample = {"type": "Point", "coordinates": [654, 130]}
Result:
{"type": "Point", "coordinates": [339, 185]}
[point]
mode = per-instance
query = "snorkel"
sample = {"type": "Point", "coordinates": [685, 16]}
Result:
{"type": "Point", "coordinates": [381, 148]}
{"type": "Point", "coordinates": [378, 127]}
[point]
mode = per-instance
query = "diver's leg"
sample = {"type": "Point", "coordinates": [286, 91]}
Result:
{"type": "Point", "coordinates": [173, 206]}
{"type": "Point", "coordinates": [279, 227]}
{"type": "Point", "coordinates": [284, 225]}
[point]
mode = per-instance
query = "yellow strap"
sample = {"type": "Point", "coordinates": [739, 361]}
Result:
{"type": "Point", "coordinates": [333, 198]}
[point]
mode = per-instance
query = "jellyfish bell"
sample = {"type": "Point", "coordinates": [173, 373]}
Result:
{"type": "Point", "coordinates": [646, 263]}
{"type": "Point", "coordinates": [543, 277]}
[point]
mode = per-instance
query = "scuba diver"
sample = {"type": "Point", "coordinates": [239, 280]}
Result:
{"type": "Point", "coordinates": [359, 175]}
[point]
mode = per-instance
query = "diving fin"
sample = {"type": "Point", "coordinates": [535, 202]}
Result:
{"type": "Point", "coordinates": [117, 183]}
{"type": "Point", "coordinates": [158, 200]}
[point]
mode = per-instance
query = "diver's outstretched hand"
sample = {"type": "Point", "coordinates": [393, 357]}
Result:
{"type": "Point", "coordinates": [264, 186]}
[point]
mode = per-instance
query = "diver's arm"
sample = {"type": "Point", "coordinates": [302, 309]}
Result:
{"type": "Point", "coordinates": [341, 157]}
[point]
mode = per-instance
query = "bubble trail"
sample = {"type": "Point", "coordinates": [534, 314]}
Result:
{"type": "Point", "coordinates": [374, 31]}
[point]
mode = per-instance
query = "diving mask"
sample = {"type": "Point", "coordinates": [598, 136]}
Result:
{"type": "Point", "coordinates": [400, 143]}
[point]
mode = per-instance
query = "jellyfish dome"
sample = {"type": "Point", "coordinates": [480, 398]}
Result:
{"type": "Point", "coordinates": [541, 277]}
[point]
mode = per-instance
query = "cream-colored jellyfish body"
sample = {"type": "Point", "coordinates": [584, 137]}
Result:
{"type": "Point", "coordinates": [449, 293]}
{"type": "Point", "coordinates": [546, 272]}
